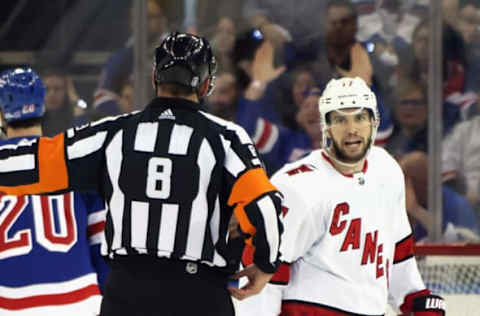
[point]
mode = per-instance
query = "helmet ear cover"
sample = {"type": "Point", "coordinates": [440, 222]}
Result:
{"type": "Point", "coordinates": [185, 59]}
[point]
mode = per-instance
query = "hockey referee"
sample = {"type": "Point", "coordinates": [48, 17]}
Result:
{"type": "Point", "coordinates": [171, 176]}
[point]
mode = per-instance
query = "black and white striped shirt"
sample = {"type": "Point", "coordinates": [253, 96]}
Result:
{"type": "Point", "coordinates": [171, 176]}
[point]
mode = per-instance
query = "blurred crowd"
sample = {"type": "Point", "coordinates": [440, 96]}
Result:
{"type": "Point", "coordinates": [275, 57]}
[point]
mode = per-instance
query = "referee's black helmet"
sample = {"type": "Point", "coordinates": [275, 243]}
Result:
{"type": "Point", "coordinates": [185, 59]}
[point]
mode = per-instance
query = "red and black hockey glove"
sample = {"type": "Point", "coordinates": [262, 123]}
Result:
{"type": "Point", "coordinates": [423, 303]}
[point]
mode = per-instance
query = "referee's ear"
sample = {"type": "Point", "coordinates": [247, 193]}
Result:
{"type": "Point", "coordinates": [203, 89]}
{"type": "Point", "coordinates": [154, 84]}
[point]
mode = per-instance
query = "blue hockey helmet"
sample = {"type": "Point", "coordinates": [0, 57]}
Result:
{"type": "Point", "coordinates": [22, 95]}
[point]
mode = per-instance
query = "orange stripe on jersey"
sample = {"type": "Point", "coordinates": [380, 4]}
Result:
{"type": "Point", "coordinates": [247, 188]}
{"type": "Point", "coordinates": [53, 175]}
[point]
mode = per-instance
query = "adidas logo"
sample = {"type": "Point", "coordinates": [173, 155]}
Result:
{"type": "Point", "coordinates": [167, 115]}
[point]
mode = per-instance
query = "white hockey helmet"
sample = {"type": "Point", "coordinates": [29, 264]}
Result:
{"type": "Point", "coordinates": [347, 93]}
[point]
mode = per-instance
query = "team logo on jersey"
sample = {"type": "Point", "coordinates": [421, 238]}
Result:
{"type": "Point", "coordinates": [167, 115]}
{"type": "Point", "coordinates": [301, 169]}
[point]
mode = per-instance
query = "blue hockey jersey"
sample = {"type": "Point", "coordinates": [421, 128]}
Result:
{"type": "Point", "coordinates": [50, 260]}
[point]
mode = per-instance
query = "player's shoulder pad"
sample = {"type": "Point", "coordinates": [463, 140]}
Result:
{"type": "Point", "coordinates": [303, 165]}
{"type": "Point", "coordinates": [380, 158]}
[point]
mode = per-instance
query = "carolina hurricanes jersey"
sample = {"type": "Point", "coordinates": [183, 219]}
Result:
{"type": "Point", "coordinates": [347, 237]}
{"type": "Point", "coordinates": [50, 260]}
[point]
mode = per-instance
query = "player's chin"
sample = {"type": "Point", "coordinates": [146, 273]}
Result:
{"type": "Point", "coordinates": [355, 156]}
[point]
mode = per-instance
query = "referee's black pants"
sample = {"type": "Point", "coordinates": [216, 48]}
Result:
{"type": "Point", "coordinates": [146, 286]}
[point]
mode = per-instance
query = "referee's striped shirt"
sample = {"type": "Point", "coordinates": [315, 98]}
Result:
{"type": "Point", "coordinates": [171, 176]}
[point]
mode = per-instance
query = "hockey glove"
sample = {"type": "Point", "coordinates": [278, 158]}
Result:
{"type": "Point", "coordinates": [423, 303]}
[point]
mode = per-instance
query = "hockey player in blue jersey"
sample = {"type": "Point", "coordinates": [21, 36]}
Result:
{"type": "Point", "coordinates": [50, 261]}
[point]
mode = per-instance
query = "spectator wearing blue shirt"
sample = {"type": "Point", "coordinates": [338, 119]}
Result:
{"type": "Point", "coordinates": [459, 222]}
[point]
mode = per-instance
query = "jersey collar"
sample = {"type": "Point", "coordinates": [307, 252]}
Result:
{"type": "Point", "coordinates": [348, 175]}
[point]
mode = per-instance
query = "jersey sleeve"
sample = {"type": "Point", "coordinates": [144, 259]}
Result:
{"type": "Point", "coordinates": [68, 161]}
{"type": "Point", "coordinates": [300, 232]}
{"type": "Point", "coordinates": [301, 229]}
{"type": "Point", "coordinates": [405, 277]}
{"type": "Point", "coordinates": [255, 200]}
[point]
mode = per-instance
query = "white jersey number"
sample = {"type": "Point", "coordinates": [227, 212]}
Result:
{"type": "Point", "coordinates": [158, 178]}
{"type": "Point", "coordinates": [59, 239]}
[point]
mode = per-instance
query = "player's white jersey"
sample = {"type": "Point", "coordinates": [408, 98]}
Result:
{"type": "Point", "coordinates": [347, 236]}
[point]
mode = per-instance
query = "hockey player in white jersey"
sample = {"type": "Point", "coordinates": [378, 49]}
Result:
{"type": "Point", "coordinates": [347, 242]}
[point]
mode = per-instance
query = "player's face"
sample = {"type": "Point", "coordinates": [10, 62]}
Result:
{"type": "Point", "coordinates": [350, 132]}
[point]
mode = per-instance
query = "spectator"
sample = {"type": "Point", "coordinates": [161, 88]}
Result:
{"type": "Point", "coordinates": [469, 25]}
{"type": "Point", "coordinates": [126, 97]}
{"type": "Point", "coordinates": [343, 56]}
{"type": "Point", "coordinates": [458, 218]}
{"type": "Point", "coordinates": [308, 118]}
{"type": "Point", "coordinates": [387, 33]}
{"type": "Point", "coordinates": [276, 143]}
{"type": "Point", "coordinates": [461, 160]}
{"type": "Point", "coordinates": [258, 78]}
{"type": "Point", "coordinates": [392, 22]}
{"type": "Point", "coordinates": [223, 100]}
{"type": "Point", "coordinates": [202, 17]}
{"type": "Point", "coordinates": [301, 82]}
{"type": "Point", "coordinates": [454, 59]}
{"type": "Point", "coordinates": [410, 117]}
{"type": "Point", "coordinates": [222, 43]}
{"type": "Point", "coordinates": [119, 67]}
{"type": "Point", "coordinates": [469, 20]}
{"type": "Point", "coordinates": [64, 108]}
{"type": "Point", "coordinates": [300, 17]}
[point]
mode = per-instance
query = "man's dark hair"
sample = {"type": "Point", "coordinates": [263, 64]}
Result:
{"type": "Point", "coordinates": [26, 123]}
{"type": "Point", "coordinates": [343, 4]}
{"type": "Point", "coordinates": [246, 45]}
{"type": "Point", "coordinates": [49, 71]}
{"type": "Point", "coordinates": [176, 89]}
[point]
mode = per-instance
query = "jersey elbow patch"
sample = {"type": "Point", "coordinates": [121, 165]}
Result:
{"type": "Point", "coordinates": [403, 249]}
